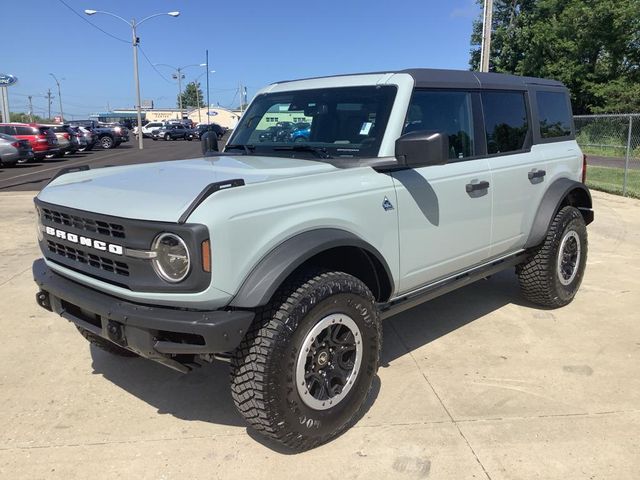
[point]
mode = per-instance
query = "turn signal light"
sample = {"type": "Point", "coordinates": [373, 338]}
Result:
{"type": "Point", "coordinates": [206, 256]}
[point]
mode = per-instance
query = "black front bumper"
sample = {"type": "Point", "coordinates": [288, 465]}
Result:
{"type": "Point", "coordinates": [159, 333]}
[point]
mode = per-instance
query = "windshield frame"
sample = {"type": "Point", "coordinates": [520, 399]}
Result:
{"type": "Point", "coordinates": [338, 153]}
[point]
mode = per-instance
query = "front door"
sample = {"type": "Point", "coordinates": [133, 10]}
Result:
{"type": "Point", "coordinates": [444, 212]}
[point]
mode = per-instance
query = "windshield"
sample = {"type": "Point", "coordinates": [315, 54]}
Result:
{"type": "Point", "coordinates": [341, 122]}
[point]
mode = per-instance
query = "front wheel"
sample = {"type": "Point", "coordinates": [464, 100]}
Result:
{"type": "Point", "coordinates": [167, 137]}
{"type": "Point", "coordinates": [306, 366]}
{"type": "Point", "coordinates": [553, 273]}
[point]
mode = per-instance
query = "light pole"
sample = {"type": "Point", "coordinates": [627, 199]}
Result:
{"type": "Point", "coordinates": [198, 92]}
{"type": "Point", "coordinates": [134, 42]}
{"type": "Point", "coordinates": [179, 75]}
{"type": "Point", "coordinates": [59, 97]}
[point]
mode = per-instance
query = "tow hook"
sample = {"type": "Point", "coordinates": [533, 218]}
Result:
{"type": "Point", "coordinates": [114, 330]}
{"type": "Point", "coordinates": [42, 298]}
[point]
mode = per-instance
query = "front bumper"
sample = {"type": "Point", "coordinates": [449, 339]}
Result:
{"type": "Point", "coordinates": [162, 334]}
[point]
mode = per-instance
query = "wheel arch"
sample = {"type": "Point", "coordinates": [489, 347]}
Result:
{"type": "Point", "coordinates": [563, 192]}
{"type": "Point", "coordinates": [329, 248]}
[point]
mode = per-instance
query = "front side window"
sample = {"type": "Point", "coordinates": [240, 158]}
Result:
{"type": "Point", "coordinates": [505, 119]}
{"type": "Point", "coordinates": [447, 112]}
{"type": "Point", "coordinates": [554, 114]}
{"type": "Point", "coordinates": [342, 122]}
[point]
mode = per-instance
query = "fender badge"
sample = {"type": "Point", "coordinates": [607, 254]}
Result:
{"type": "Point", "coordinates": [387, 205]}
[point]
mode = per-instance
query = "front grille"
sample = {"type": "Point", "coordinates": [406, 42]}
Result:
{"type": "Point", "coordinates": [95, 261]}
{"type": "Point", "coordinates": [96, 226]}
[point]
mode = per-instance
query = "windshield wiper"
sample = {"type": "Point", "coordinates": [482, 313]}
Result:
{"type": "Point", "coordinates": [248, 149]}
{"type": "Point", "coordinates": [320, 152]}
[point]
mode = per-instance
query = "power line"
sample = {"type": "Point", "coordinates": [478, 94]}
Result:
{"type": "Point", "coordinates": [93, 24]}
{"type": "Point", "coordinates": [153, 66]}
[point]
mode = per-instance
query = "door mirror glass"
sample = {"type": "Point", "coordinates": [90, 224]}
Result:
{"type": "Point", "coordinates": [422, 148]}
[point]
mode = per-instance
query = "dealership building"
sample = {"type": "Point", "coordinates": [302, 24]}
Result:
{"type": "Point", "coordinates": [222, 116]}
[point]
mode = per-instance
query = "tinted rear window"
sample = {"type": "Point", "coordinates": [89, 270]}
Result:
{"type": "Point", "coordinates": [505, 118]}
{"type": "Point", "coordinates": [8, 129]}
{"type": "Point", "coordinates": [554, 114]}
{"type": "Point", "coordinates": [25, 131]}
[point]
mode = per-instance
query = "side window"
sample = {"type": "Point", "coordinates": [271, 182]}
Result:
{"type": "Point", "coordinates": [5, 129]}
{"type": "Point", "coordinates": [554, 114]}
{"type": "Point", "coordinates": [505, 120]}
{"type": "Point", "coordinates": [24, 131]}
{"type": "Point", "coordinates": [448, 112]}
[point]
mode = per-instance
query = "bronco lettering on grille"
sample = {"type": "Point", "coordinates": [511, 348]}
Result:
{"type": "Point", "coordinates": [86, 241]}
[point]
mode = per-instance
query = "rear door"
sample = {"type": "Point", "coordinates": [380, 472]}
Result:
{"type": "Point", "coordinates": [517, 169]}
{"type": "Point", "coordinates": [444, 211]}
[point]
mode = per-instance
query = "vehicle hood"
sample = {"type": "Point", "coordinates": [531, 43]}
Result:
{"type": "Point", "coordinates": [162, 191]}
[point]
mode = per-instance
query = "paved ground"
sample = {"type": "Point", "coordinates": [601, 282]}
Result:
{"type": "Point", "coordinates": [612, 162]}
{"type": "Point", "coordinates": [475, 385]}
{"type": "Point", "coordinates": [35, 175]}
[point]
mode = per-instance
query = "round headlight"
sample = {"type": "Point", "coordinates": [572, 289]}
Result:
{"type": "Point", "coordinates": [172, 260]}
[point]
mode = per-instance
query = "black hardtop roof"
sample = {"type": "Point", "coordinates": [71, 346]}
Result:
{"type": "Point", "coordinates": [430, 77]}
{"type": "Point", "coordinates": [439, 78]}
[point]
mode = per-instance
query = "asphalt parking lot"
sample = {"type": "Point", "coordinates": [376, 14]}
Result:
{"type": "Point", "coordinates": [33, 176]}
{"type": "Point", "coordinates": [476, 384]}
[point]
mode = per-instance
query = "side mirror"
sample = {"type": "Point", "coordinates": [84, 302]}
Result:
{"type": "Point", "coordinates": [209, 142]}
{"type": "Point", "coordinates": [422, 148]}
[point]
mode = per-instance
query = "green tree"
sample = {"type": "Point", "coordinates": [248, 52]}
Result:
{"type": "Point", "coordinates": [24, 118]}
{"type": "Point", "coordinates": [593, 46]}
{"type": "Point", "coordinates": [191, 95]}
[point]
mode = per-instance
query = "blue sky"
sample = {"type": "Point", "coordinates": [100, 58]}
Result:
{"type": "Point", "coordinates": [253, 42]}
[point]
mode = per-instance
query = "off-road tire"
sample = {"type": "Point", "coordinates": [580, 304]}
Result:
{"type": "Point", "coordinates": [539, 279]}
{"type": "Point", "coordinates": [263, 366]}
{"type": "Point", "coordinates": [105, 345]}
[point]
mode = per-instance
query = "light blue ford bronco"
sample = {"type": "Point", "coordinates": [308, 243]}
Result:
{"type": "Point", "coordinates": [282, 257]}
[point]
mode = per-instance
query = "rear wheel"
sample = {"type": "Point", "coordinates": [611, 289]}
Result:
{"type": "Point", "coordinates": [105, 345]}
{"type": "Point", "coordinates": [305, 368]}
{"type": "Point", "coordinates": [553, 273]}
{"type": "Point", "coordinates": [107, 142]}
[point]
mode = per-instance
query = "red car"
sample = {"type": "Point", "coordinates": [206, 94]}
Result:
{"type": "Point", "coordinates": [42, 140]}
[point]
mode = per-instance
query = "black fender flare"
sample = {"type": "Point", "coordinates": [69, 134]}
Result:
{"type": "Point", "coordinates": [271, 271]}
{"type": "Point", "coordinates": [551, 203]}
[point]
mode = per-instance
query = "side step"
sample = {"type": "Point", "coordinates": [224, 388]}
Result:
{"type": "Point", "coordinates": [431, 291]}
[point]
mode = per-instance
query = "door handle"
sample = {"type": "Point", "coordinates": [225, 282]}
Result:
{"type": "Point", "coordinates": [473, 187]}
{"type": "Point", "coordinates": [536, 174]}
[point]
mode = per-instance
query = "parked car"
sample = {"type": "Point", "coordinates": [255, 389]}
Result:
{"type": "Point", "coordinates": [108, 136]}
{"type": "Point", "coordinates": [42, 140]}
{"type": "Point", "coordinates": [90, 138]}
{"type": "Point", "coordinates": [148, 128]}
{"type": "Point", "coordinates": [280, 132]}
{"type": "Point", "coordinates": [69, 139]}
{"type": "Point", "coordinates": [283, 259]}
{"type": "Point", "coordinates": [174, 132]}
{"type": "Point", "coordinates": [212, 127]}
{"type": "Point", "coordinates": [300, 132]}
{"type": "Point", "coordinates": [14, 151]}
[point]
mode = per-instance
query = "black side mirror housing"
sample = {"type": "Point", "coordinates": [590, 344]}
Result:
{"type": "Point", "coordinates": [209, 142]}
{"type": "Point", "coordinates": [422, 148]}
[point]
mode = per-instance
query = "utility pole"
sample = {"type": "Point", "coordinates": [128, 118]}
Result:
{"type": "Point", "coordinates": [485, 49]}
{"type": "Point", "coordinates": [30, 109]}
{"type": "Point", "coordinates": [48, 97]}
{"type": "Point", "coordinates": [59, 97]}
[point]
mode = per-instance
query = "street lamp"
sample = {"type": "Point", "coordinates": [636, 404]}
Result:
{"type": "Point", "coordinates": [179, 76]}
{"type": "Point", "coordinates": [135, 41]}
{"type": "Point", "coordinates": [59, 97]}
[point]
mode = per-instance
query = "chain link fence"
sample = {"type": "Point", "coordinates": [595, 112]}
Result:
{"type": "Point", "coordinates": [612, 146]}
